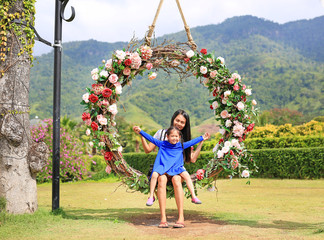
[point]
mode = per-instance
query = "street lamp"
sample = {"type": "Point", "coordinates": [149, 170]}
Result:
{"type": "Point", "coordinates": [59, 16]}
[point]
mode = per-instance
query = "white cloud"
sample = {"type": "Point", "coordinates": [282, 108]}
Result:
{"type": "Point", "coordinates": [112, 20]}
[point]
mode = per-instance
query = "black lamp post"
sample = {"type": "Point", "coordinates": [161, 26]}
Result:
{"type": "Point", "coordinates": [59, 16]}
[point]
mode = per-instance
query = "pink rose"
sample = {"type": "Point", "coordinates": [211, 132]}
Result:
{"type": "Point", "coordinates": [236, 87]}
{"type": "Point", "coordinates": [149, 66]}
{"type": "Point", "coordinates": [236, 76]}
{"type": "Point", "coordinates": [213, 74]}
{"type": "Point", "coordinates": [240, 106]}
{"type": "Point", "coordinates": [243, 87]}
{"type": "Point", "coordinates": [127, 71]}
{"type": "Point", "coordinates": [113, 78]}
{"type": "Point", "coordinates": [231, 81]}
{"type": "Point", "coordinates": [224, 114]}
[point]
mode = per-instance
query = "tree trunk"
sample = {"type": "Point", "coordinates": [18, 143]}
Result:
{"type": "Point", "coordinates": [19, 162]}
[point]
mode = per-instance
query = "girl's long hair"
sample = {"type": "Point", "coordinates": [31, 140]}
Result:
{"type": "Point", "coordinates": [186, 132]}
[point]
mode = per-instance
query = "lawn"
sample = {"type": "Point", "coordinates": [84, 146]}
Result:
{"type": "Point", "coordinates": [266, 209]}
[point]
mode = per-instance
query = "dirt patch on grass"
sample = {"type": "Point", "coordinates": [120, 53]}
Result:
{"type": "Point", "coordinates": [195, 225]}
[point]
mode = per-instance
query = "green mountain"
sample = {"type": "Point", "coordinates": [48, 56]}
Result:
{"type": "Point", "coordinates": [283, 63]}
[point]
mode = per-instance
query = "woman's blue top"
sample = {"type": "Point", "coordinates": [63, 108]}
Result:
{"type": "Point", "coordinates": [170, 156]}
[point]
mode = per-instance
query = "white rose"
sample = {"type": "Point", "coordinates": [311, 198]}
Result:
{"type": "Point", "coordinates": [222, 131]}
{"type": "Point", "coordinates": [108, 64]}
{"type": "Point", "coordinates": [120, 54]}
{"type": "Point", "coordinates": [103, 121]}
{"type": "Point", "coordinates": [248, 92]}
{"type": "Point", "coordinates": [236, 76]}
{"type": "Point", "coordinates": [220, 154]}
{"type": "Point", "coordinates": [224, 101]}
{"type": "Point", "coordinates": [104, 73]}
{"type": "Point", "coordinates": [254, 102]}
{"type": "Point", "coordinates": [203, 69]}
{"type": "Point", "coordinates": [245, 174]}
{"type": "Point", "coordinates": [190, 53]}
{"type": "Point", "coordinates": [95, 77]}
{"type": "Point", "coordinates": [227, 93]}
{"type": "Point", "coordinates": [235, 143]}
{"type": "Point", "coordinates": [215, 148]}
{"type": "Point", "coordinates": [95, 71]}
{"type": "Point", "coordinates": [85, 97]}
{"type": "Point", "coordinates": [113, 109]}
{"type": "Point", "coordinates": [240, 106]}
{"type": "Point", "coordinates": [102, 144]}
{"type": "Point", "coordinates": [91, 144]}
{"type": "Point", "coordinates": [228, 144]}
{"type": "Point", "coordinates": [119, 89]}
{"type": "Point", "coordinates": [120, 149]}
{"type": "Point", "coordinates": [228, 123]}
{"type": "Point", "coordinates": [88, 132]}
{"type": "Point", "coordinates": [222, 60]}
{"type": "Point", "coordinates": [215, 104]}
{"type": "Point", "coordinates": [225, 149]}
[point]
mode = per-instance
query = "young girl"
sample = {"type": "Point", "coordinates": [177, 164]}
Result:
{"type": "Point", "coordinates": [169, 159]}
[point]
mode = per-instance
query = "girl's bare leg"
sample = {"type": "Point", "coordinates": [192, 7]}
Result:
{"type": "Point", "coordinates": [162, 196]}
{"type": "Point", "coordinates": [178, 194]}
{"type": "Point", "coordinates": [153, 182]}
{"type": "Point", "coordinates": [185, 175]}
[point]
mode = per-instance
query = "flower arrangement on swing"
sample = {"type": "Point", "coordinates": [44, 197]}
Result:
{"type": "Point", "coordinates": [229, 102]}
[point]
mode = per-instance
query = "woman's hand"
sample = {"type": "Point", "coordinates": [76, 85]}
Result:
{"type": "Point", "coordinates": [206, 136]}
{"type": "Point", "coordinates": [137, 129]}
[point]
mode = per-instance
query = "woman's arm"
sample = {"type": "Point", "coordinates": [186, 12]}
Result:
{"type": "Point", "coordinates": [195, 154]}
{"type": "Point", "coordinates": [148, 147]}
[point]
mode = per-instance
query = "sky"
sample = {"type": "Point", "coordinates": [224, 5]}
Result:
{"type": "Point", "coordinates": [119, 20]}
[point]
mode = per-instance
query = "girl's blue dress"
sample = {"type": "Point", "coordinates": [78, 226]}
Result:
{"type": "Point", "coordinates": [169, 159]}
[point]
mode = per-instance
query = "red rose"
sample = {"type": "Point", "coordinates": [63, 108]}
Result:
{"type": "Point", "coordinates": [203, 51]}
{"type": "Point", "coordinates": [94, 126]}
{"type": "Point", "coordinates": [187, 60]}
{"type": "Point", "coordinates": [106, 92]}
{"type": "Point", "coordinates": [108, 156]}
{"type": "Point", "coordinates": [250, 127]}
{"type": "Point", "coordinates": [215, 92]}
{"type": "Point", "coordinates": [221, 140]}
{"type": "Point", "coordinates": [231, 152]}
{"type": "Point", "coordinates": [93, 98]}
{"type": "Point", "coordinates": [211, 107]}
{"type": "Point", "coordinates": [128, 62]}
{"type": "Point", "coordinates": [200, 174]}
{"type": "Point", "coordinates": [85, 116]}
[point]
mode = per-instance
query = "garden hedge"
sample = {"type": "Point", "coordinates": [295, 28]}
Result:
{"type": "Point", "coordinates": [296, 163]}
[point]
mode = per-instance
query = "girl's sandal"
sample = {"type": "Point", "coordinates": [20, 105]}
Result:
{"type": "Point", "coordinates": [178, 225]}
{"type": "Point", "coordinates": [163, 225]}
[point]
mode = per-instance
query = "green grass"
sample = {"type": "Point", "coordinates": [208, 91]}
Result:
{"type": "Point", "coordinates": [266, 209]}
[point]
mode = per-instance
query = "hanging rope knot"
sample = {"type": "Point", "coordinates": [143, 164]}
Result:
{"type": "Point", "coordinates": [148, 37]}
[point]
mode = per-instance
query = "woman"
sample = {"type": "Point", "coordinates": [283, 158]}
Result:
{"type": "Point", "coordinates": [181, 120]}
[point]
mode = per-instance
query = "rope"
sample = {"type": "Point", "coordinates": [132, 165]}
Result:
{"type": "Point", "coordinates": [148, 37]}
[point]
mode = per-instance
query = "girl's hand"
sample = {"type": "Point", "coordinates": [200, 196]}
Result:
{"type": "Point", "coordinates": [137, 129]}
{"type": "Point", "coordinates": [206, 136]}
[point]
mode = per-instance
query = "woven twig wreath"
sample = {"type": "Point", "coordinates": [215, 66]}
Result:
{"type": "Point", "coordinates": [229, 102]}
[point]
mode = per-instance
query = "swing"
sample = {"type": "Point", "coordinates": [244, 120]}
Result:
{"type": "Point", "coordinates": [229, 102]}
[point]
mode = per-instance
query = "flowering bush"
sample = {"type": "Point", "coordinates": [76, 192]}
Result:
{"type": "Point", "coordinates": [230, 104]}
{"type": "Point", "coordinates": [72, 166]}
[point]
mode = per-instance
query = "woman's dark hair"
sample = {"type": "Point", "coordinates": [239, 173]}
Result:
{"type": "Point", "coordinates": [186, 132]}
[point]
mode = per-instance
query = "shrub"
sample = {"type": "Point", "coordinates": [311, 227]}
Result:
{"type": "Point", "coordinates": [72, 164]}
{"type": "Point", "coordinates": [285, 142]}
{"type": "Point", "coordinates": [303, 163]}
